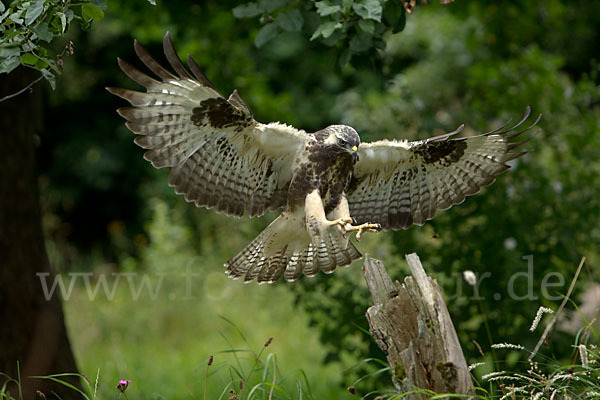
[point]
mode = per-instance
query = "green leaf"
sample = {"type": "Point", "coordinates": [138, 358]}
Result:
{"type": "Point", "coordinates": [325, 8]}
{"type": "Point", "coordinates": [2, 7]}
{"type": "Point", "coordinates": [395, 15]}
{"type": "Point", "coordinates": [35, 9]}
{"type": "Point", "coordinates": [361, 42]}
{"type": "Point", "coordinates": [326, 29]}
{"type": "Point", "coordinates": [266, 33]}
{"type": "Point", "coordinates": [347, 5]}
{"type": "Point", "coordinates": [90, 11]}
{"type": "Point", "coordinates": [43, 32]}
{"type": "Point", "coordinates": [16, 18]}
{"type": "Point", "coordinates": [28, 59]}
{"type": "Point", "coordinates": [271, 5]}
{"type": "Point", "coordinates": [9, 63]}
{"type": "Point", "coordinates": [7, 52]}
{"type": "Point", "coordinates": [336, 37]}
{"type": "Point", "coordinates": [368, 9]}
{"type": "Point", "coordinates": [247, 10]}
{"type": "Point", "coordinates": [3, 16]}
{"type": "Point", "coordinates": [63, 21]}
{"type": "Point", "coordinates": [367, 26]}
{"type": "Point", "coordinates": [290, 21]}
{"type": "Point", "coordinates": [70, 14]}
{"type": "Point", "coordinates": [50, 77]}
{"type": "Point", "coordinates": [45, 62]}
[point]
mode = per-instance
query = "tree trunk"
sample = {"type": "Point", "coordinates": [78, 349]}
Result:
{"type": "Point", "coordinates": [411, 324]}
{"type": "Point", "coordinates": [32, 329]}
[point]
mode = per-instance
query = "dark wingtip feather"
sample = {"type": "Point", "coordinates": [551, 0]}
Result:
{"type": "Point", "coordinates": [135, 74]}
{"type": "Point", "coordinates": [497, 130]}
{"type": "Point", "coordinates": [173, 59]}
{"type": "Point", "coordinates": [515, 134]}
{"type": "Point", "coordinates": [122, 111]}
{"type": "Point", "coordinates": [120, 92]}
{"type": "Point", "coordinates": [513, 155]}
{"type": "Point", "coordinates": [198, 73]}
{"type": "Point", "coordinates": [445, 136]}
{"type": "Point", "coordinates": [512, 145]}
{"type": "Point", "coordinates": [112, 90]}
{"type": "Point", "coordinates": [508, 132]}
{"type": "Point", "coordinates": [150, 62]}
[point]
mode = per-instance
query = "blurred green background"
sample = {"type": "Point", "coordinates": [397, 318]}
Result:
{"type": "Point", "coordinates": [479, 62]}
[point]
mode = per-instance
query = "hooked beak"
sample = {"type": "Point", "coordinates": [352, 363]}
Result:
{"type": "Point", "coordinates": [355, 153]}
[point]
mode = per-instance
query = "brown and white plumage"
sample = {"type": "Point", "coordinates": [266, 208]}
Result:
{"type": "Point", "coordinates": [221, 158]}
{"type": "Point", "coordinates": [398, 183]}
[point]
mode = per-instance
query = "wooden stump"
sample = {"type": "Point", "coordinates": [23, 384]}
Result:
{"type": "Point", "coordinates": [411, 324]}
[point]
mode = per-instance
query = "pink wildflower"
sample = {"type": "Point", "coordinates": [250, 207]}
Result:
{"type": "Point", "coordinates": [122, 386]}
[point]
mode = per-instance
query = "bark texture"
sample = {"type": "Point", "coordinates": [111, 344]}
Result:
{"type": "Point", "coordinates": [411, 324]}
{"type": "Point", "coordinates": [32, 329]}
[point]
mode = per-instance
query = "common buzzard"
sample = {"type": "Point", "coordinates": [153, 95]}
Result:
{"type": "Point", "coordinates": [327, 183]}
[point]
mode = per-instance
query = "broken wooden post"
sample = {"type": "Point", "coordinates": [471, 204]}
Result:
{"type": "Point", "coordinates": [411, 324]}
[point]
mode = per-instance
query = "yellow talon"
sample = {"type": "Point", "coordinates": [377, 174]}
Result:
{"type": "Point", "coordinates": [362, 228]}
{"type": "Point", "coordinates": [341, 221]}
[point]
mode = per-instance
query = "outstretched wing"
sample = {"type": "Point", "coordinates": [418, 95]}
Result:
{"type": "Point", "coordinates": [220, 156]}
{"type": "Point", "coordinates": [397, 184]}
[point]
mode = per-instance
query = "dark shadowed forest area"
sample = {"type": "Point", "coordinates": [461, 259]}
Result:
{"type": "Point", "coordinates": [113, 286]}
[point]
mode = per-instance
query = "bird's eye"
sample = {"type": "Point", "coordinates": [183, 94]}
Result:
{"type": "Point", "coordinates": [342, 142]}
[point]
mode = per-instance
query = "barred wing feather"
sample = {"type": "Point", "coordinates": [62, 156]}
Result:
{"type": "Point", "coordinates": [397, 184]}
{"type": "Point", "coordinates": [219, 156]}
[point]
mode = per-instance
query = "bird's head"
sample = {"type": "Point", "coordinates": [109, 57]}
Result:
{"type": "Point", "coordinates": [344, 137]}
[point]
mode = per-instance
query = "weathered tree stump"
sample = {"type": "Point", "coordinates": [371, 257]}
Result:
{"type": "Point", "coordinates": [411, 324]}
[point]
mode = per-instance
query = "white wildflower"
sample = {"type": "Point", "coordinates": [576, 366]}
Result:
{"type": "Point", "coordinates": [527, 378]}
{"type": "Point", "coordinates": [473, 366]}
{"type": "Point", "coordinates": [507, 346]}
{"type": "Point", "coordinates": [512, 391]}
{"type": "Point", "coordinates": [538, 317]}
{"type": "Point", "coordinates": [583, 354]}
{"type": "Point", "coordinates": [492, 374]}
{"type": "Point", "coordinates": [470, 277]}
{"type": "Point", "coordinates": [503, 378]}
{"type": "Point", "coordinates": [537, 396]}
{"type": "Point", "coordinates": [558, 377]}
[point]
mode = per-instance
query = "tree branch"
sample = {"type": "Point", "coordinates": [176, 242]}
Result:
{"type": "Point", "coordinates": [10, 96]}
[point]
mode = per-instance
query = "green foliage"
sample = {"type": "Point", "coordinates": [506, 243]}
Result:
{"type": "Point", "coordinates": [24, 25]}
{"type": "Point", "coordinates": [353, 26]}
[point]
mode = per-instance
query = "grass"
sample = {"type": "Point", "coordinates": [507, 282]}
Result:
{"type": "Point", "coordinates": [163, 345]}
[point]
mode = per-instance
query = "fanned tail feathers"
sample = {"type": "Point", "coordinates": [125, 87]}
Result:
{"type": "Point", "coordinates": [252, 262]}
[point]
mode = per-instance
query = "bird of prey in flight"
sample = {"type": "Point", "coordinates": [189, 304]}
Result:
{"type": "Point", "coordinates": [326, 183]}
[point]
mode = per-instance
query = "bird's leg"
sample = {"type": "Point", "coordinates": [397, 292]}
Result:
{"type": "Point", "coordinates": [325, 227]}
{"type": "Point", "coordinates": [366, 227]}
{"type": "Point", "coordinates": [342, 217]}
{"type": "Point", "coordinates": [317, 222]}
